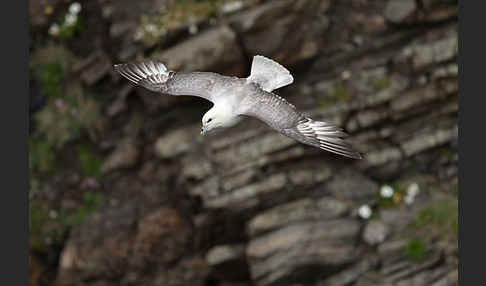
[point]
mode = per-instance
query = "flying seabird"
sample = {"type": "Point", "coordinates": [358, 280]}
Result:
{"type": "Point", "coordinates": [235, 97]}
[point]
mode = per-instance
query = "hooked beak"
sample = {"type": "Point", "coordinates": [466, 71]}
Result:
{"type": "Point", "coordinates": [203, 131]}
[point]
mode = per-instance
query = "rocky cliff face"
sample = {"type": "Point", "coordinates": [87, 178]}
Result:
{"type": "Point", "coordinates": [248, 206]}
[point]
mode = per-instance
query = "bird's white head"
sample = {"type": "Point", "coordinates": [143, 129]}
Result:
{"type": "Point", "coordinates": [218, 117]}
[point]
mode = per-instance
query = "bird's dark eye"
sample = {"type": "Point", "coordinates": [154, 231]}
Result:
{"type": "Point", "coordinates": [209, 120]}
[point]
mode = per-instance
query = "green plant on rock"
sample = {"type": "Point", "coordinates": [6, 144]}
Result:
{"type": "Point", "coordinates": [49, 75]}
{"type": "Point", "coordinates": [62, 119]}
{"type": "Point", "coordinates": [37, 219]}
{"type": "Point", "coordinates": [90, 163]}
{"type": "Point", "coordinates": [47, 224]}
{"type": "Point", "coordinates": [339, 94]}
{"type": "Point", "coordinates": [381, 83]}
{"type": "Point", "coordinates": [50, 65]}
{"type": "Point", "coordinates": [154, 27]}
{"type": "Point", "coordinates": [56, 123]}
{"type": "Point", "coordinates": [42, 158]}
{"type": "Point", "coordinates": [68, 30]}
{"type": "Point", "coordinates": [415, 249]}
{"type": "Point", "coordinates": [90, 202]}
{"type": "Point", "coordinates": [441, 215]}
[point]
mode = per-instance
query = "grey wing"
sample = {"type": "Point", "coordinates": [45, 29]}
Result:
{"type": "Point", "coordinates": [283, 117]}
{"type": "Point", "coordinates": [154, 76]}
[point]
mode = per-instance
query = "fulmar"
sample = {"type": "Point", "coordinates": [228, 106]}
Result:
{"type": "Point", "coordinates": [235, 97]}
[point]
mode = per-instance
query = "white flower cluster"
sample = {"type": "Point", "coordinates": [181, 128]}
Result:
{"type": "Point", "coordinates": [412, 192]}
{"type": "Point", "coordinates": [365, 211]}
{"type": "Point", "coordinates": [69, 20]}
{"type": "Point", "coordinates": [386, 191]}
{"type": "Point", "coordinates": [54, 29]}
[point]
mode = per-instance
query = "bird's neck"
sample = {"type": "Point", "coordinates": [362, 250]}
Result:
{"type": "Point", "coordinates": [225, 112]}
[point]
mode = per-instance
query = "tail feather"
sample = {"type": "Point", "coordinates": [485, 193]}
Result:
{"type": "Point", "coordinates": [325, 136]}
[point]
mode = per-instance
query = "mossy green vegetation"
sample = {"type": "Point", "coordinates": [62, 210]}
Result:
{"type": "Point", "coordinates": [49, 75]}
{"type": "Point", "coordinates": [90, 202]}
{"type": "Point", "coordinates": [89, 162]}
{"type": "Point", "coordinates": [69, 31]}
{"type": "Point", "coordinates": [49, 226]}
{"type": "Point", "coordinates": [438, 219]}
{"type": "Point", "coordinates": [62, 119]}
{"type": "Point", "coordinates": [381, 83]}
{"type": "Point", "coordinates": [415, 249]}
{"type": "Point", "coordinates": [50, 64]}
{"type": "Point", "coordinates": [338, 94]}
{"type": "Point", "coordinates": [155, 26]}
{"type": "Point", "coordinates": [42, 158]}
{"type": "Point", "coordinates": [441, 215]}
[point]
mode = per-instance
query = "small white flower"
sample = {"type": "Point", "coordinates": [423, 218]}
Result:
{"type": "Point", "coordinates": [232, 6]}
{"type": "Point", "coordinates": [364, 211]}
{"type": "Point", "coordinates": [345, 75]}
{"type": "Point", "coordinates": [70, 19]}
{"type": "Point", "coordinates": [409, 199]}
{"type": "Point", "coordinates": [54, 29]}
{"type": "Point", "coordinates": [413, 189]}
{"type": "Point", "coordinates": [52, 214]}
{"type": "Point", "coordinates": [74, 8]}
{"type": "Point", "coordinates": [193, 29]}
{"type": "Point", "coordinates": [386, 191]}
{"type": "Point", "coordinates": [151, 28]}
{"type": "Point", "coordinates": [138, 35]}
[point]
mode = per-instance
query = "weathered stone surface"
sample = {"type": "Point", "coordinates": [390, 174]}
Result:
{"type": "Point", "coordinates": [383, 156]}
{"type": "Point", "coordinates": [119, 104]}
{"type": "Point", "coordinates": [104, 245]}
{"type": "Point", "coordinates": [125, 155]}
{"type": "Point", "coordinates": [435, 52]}
{"type": "Point", "coordinates": [275, 255]}
{"type": "Point", "coordinates": [296, 212]}
{"type": "Point", "coordinates": [254, 149]}
{"type": "Point", "coordinates": [451, 278]}
{"type": "Point", "coordinates": [272, 20]}
{"type": "Point", "coordinates": [398, 11]}
{"type": "Point", "coordinates": [166, 226]}
{"type": "Point", "coordinates": [350, 274]}
{"type": "Point", "coordinates": [349, 184]}
{"type": "Point", "coordinates": [259, 16]}
{"type": "Point", "coordinates": [176, 142]}
{"type": "Point", "coordinates": [248, 195]}
{"type": "Point", "coordinates": [190, 271]}
{"type": "Point", "coordinates": [224, 254]}
{"type": "Point", "coordinates": [98, 66]}
{"type": "Point", "coordinates": [375, 232]}
{"type": "Point", "coordinates": [102, 241]}
{"type": "Point", "coordinates": [437, 138]}
{"type": "Point", "coordinates": [215, 49]}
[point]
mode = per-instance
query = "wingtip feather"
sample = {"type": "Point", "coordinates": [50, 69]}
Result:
{"type": "Point", "coordinates": [327, 137]}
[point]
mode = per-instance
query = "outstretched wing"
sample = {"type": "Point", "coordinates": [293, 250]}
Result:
{"type": "Point", "coordinates": [283, 117]}
{"type": "Point", "coordinates": [154, 76]}
{"type": "Point", "coordinates": [323, 135]}
{"type": "Point", "coordinates": [149, 74]}
{"type": "Point", "coordinates": [269, 74]}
